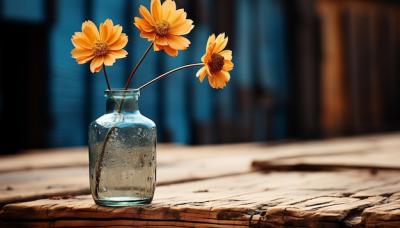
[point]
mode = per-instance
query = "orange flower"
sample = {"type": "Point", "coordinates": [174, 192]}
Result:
{"type": "Point", "coordinates": [217, 62]}
{"type": "Point", "coordinates": [102, 47]}
{"type": "Point", "coordinates": [164, 26]}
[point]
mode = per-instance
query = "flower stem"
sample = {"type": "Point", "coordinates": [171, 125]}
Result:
{"type": "Point", "coordinates": [99, 164]}
{"type": "Point", "coordinates": [168, 73]}
{"type": "Point", "coordinates": [137, 66]}
{"type": "Point", "coordinates": [106, 77]}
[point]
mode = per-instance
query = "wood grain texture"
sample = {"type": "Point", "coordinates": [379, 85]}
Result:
{"type": "Point", "coordinates": [42, 159]}
{"type": "Point", "coordinates": [176, 164]}
{"type": "Point", "coordinates": [387, 158]}
{"type": "Point", "coordinates": [215, 186]}
{"type": "Point", "coordinates": [387, 214]}
{"type": "Point", "coordinates": [172, 154]}
{"type": "Point", "coordinates": [295, 199]}
{"type": "Point", "coordinates": [42, 183]}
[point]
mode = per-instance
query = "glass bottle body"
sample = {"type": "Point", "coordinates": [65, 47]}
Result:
{"type": "Point", "coordinates": [122, 153]}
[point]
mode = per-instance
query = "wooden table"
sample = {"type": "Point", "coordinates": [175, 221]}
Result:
{"type": "Point", "coordinates": [352, 182]}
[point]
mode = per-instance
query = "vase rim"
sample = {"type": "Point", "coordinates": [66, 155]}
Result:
{"type": "Point", "coordinates": [123, 93]}
{"type": "Point", "coordinates": [120, 90]}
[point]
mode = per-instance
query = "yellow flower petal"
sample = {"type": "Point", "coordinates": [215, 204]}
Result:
{"type": "Point", "coordinates": [106, 29]}
{"type": "Point", "coordinates": [183, 29]}
{"type": "Point", "coordinates": [157, 48]}
{"type": "Point", "coordinates": [79, 40]}
{"type": "Point", "coordinates": [120, 43]}
{"type": "Point", "coordinates": [201, 74]}
{"type": "Point", "coordinates": [168, 7]}
{"type": "Point", "coordinates": [209, 52]}
{"type": "Point", "coordinates": [119, 53]}
{"type": "Point", "coordinates": [85, 59]}
{"type": "Point", "coordinates": [96, 64]}
{"type": "Point", "coordinates": [143, 25]}
{"type": "Point", "coordinates": [176, 17]}
{"type": "Point", "coordinates": [227, 54]}
{"type": "Point", "coordinates": [221, 46]}
{"type": "Point", "coordinates": [156, 10]}
{"type": "Point", "coordinates": [150, 36]}
{"type": "Point", "coordinates": [228, 65]}
{"type": "Point", "coordinates": [220, 38]}
{"type": "Point", "coordinates": [225, 76]}
{"type": "Point", "coordinates": [170, 51]}
{"type": "Point", "coordinates": [162, 41]}
{"type": "Point", "coordinates": [219, 80]}
{"type": "Point", "coordinates": [109, 60]}
{"type": "Point", "coordinates": [178, 42]}
{"type": "Point", "coordinates": [181, 21]}
{"type": "Point", "coordinates": [144, 12]}
{"type": "Point", "coordinates": [210, 40]}
{"type": "Point", "coordinates": [90, 30]}
{"type": "Point", "coordinates": [78, 53]}
{"type": "Point", "coordinates": [117, 30]}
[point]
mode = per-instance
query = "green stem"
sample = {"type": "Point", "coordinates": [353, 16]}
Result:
{"type": "Point", "coordinates": [168, 73]}
{"type": "Point", "coordinates": [137, 66]}
{"type": "Point", "coordinates": [106, 77]}
{"type": "Point", "coordinates": [99, 164]}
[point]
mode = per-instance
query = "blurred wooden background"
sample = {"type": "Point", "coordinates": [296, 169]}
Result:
{"type": "Point", "coordinates": [304, 69]}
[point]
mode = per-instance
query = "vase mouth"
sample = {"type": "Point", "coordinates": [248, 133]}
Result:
{"type": "Point", "coordinates": [122, 92]}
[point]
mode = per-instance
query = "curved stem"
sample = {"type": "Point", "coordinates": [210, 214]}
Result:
{"type": "Point", "coordinates": [168, 73]}
{"type": "Point", "coordinates": [137, 66]}
{"type": "Point", "coordinates": [99, 164]}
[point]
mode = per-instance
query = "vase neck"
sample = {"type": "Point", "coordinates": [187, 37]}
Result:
{"type": "Point", "coordinates": [122, 101]}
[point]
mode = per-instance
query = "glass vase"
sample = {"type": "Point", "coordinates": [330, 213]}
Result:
{"type": "Point", "coordinates": [122, 152]}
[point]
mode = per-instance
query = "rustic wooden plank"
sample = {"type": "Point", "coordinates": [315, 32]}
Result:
{"type": "Point", "coordinates": [175, 164]}
{"type": "Point", "coordinates": [278, 199]}
{"type": "Point", "coordinates": [36, 184]}
{"type": "Point", "coordinates": [52, 158]}
{"type": "Point", "coordinates": [72, 157]}
{"type": "Point", "coordinates": [372, 158]}
{"type": "Point", "coordinates": [41, 159]}
{"type": "Point", "coordinates": [387, 215]}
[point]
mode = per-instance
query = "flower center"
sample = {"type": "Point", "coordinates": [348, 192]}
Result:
{"type": "Point", "coordinates": [100, 48]}
{"type": "Point", "coordinates": [216, 63]}
{"type": "Point", "coordinates": [162, 28]}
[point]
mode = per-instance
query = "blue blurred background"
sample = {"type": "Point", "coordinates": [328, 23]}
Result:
{"type": "Point", "coordinates": [304, 69]}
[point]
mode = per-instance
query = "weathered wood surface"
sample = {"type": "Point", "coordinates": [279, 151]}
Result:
{"type": "Point", "coordinates": [296, 199]}
{"type": "Point", "coordinates": [41, 159]}
{"type": "Point", "coordinates": [175, 164]}
{"type": "Point", "coordinates": [64, 172]}
{"type": "Point", "coordinates": [217, 186]}
{"type": "Point", "coordinates": [42, 183]}
{"type": "Point", "coordinates": [168, 154]}
{"type": "Point", "coordinates": [386, 157]}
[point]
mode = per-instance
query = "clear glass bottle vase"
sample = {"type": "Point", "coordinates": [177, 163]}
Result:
{"type": "Point", "coordinates": [122, 152]}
